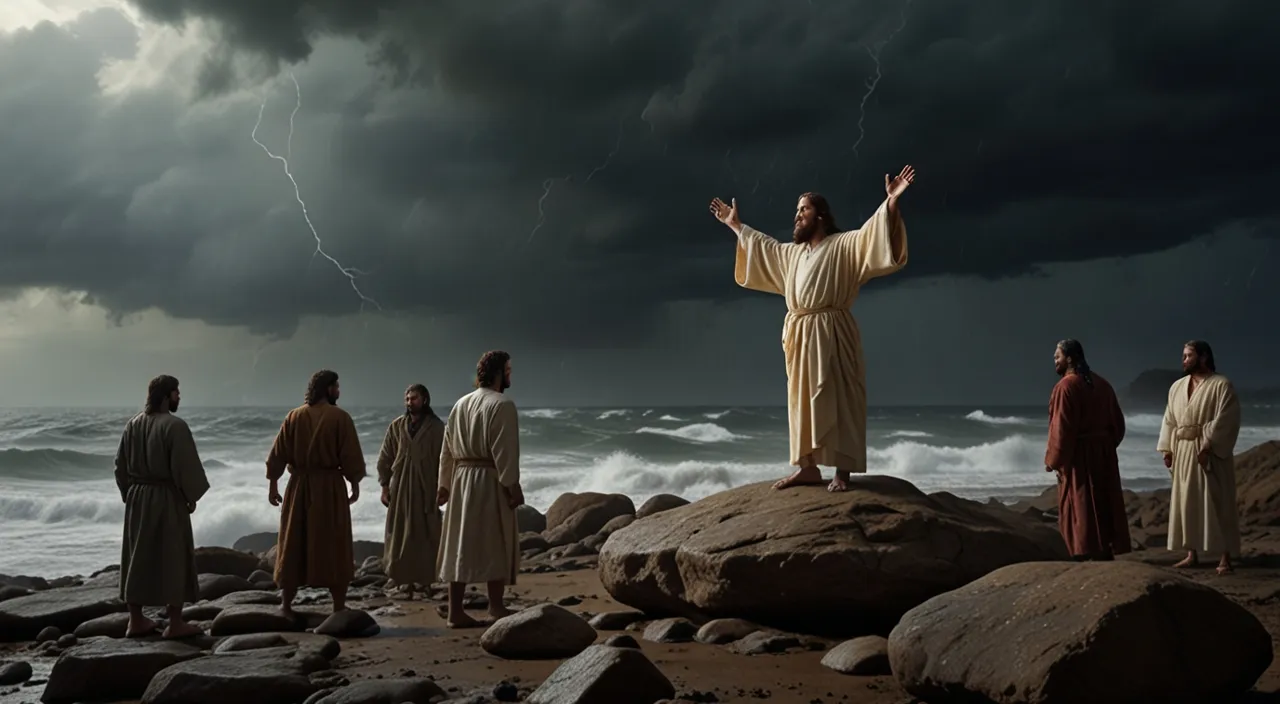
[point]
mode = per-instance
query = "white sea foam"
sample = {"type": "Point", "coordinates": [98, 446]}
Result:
{"type": "Point", "coordinates": [981, 417]}
{"type": "Point", "coordinates": [697, 432]}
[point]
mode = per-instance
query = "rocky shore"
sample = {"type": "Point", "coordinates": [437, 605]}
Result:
{"type": "Point", "coordinates": [882, 594]}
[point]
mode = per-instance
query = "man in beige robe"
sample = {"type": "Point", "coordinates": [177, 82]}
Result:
{"type": "Point", "coordinates": [480, 482]}
{"type": "Point", "coordinates": [409, 472]}
{"type": "Point", "coordinates": [1198, 440]}
{"type": "Point", "coordinates": [160, 477]}
{"type": "Point", "coordinates": [820, 273]}
{"type": "Point", "coordinates": [319, 446]}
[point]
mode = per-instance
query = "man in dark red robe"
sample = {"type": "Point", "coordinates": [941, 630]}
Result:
{"type": "Point", "coordinates": [1085, 428]}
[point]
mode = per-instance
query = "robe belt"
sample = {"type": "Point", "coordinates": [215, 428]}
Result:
{"type": "Point", "coordinates": [1187, 432]}
{"type": "Point", "coordinates": [803, 312]}
{"type": "Point", "coordinates": [474, 462]}
{"type": "Point", "coordinates": [314, 470]}
{"type": "Point", "coordinates": [150, 481]}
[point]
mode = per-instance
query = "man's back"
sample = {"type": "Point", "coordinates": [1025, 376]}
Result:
{"type": "Point", "coordinates": [1094, 408]}
{"type": "Point", "coordinates": [471, 425]}
{"type": "Point", "coordinates": [146, 450]}
{"type": "Point", "coordinates": [319, 437]}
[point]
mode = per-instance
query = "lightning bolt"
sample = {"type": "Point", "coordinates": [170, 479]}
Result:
{"type": "Point", "coordinates": [350, 272]}
{"type": "Point", "coordinates": [617, 146]}
{"type": "Point", "coordinates": [872, 82]}
{"type": "Point", "coordinates": [547, 185]}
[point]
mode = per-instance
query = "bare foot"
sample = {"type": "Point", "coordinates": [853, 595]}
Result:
{"type": "Point", "coordinates": [840, 483]}
{"type": "Point", "coordinates": [288, 612]}
{"type": "Point", "coordinates": [500, 612]}
{"type": "Point", "coordinates": [1186, 562]}
{"type": "Point", "coordinates": [805, 476]}
{"type": "Point", "coordinates": [137, 629]}
{"type": "Point", "coordinates": [462, 620]}
{"type": "Point", "coordinates": [1225, 568]}
{"type": "Point", "coordinates": [181, 629]}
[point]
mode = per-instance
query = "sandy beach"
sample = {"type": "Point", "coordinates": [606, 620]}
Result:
{"type": "Point", "coordinates": [412, 641]}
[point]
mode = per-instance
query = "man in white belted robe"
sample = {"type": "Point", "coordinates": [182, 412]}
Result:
{"type": "Point", "coordinates": [1198, 440]}
{"type": "Point", "coordinates": [480, 484]}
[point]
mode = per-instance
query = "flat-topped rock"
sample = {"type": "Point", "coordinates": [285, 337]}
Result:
{"type": "Point", "coordinates": [24, 617]}
{"type": "Point", "coordinates": [809, 560]}
{"type": "Point", "coordinates": [409, 690]}
{"type": "Point", "coordinates": [107, 669]}
{"type": "Point", "coordinates": [1059, 632]}
{"type": "Point", "coordinates": [265, 676]}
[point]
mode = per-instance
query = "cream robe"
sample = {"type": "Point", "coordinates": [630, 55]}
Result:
{"type": "Point", "coordinates": [1202, 510]}
{"type": "Point", "coordinates": [480, 456]}
{"type": "Point", "coordinates": [409, 467]}
{"type": "Point", "coordinates": [160, 476]}
{"type": "Point", "coordinates": [826, 380]}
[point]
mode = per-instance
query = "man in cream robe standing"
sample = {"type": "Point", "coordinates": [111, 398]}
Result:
{"type": "Point", "coordinates": [480, 482]}
{"type": "Point", "coordinates": [1198, 440]}
{"type": "Point", "coordinates": [408, 470]}
{"type": "Point", "coordinates": [820, 274]}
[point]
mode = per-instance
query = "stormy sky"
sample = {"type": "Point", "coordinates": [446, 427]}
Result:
{"type": "Point", "coordinates": [533, 176]}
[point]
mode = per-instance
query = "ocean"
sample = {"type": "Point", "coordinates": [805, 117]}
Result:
{"type": "Point", "coordinates": [60, 512]}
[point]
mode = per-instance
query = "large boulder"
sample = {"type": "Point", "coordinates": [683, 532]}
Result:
{"type": "Point", "coordinates": [24, 617]}
{"type": "Point", "coordinates": [810, 560]}
{"type": "Point", "coordinates": [112, 669]}
{"type": "Point", "coordinates": [1106, 633]}
{"type": "Point", "coordinates": [573, 517]}
{"type": "Point", "coordinates": [220, 560]}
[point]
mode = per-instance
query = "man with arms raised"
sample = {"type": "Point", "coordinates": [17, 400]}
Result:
{"type": "Point", "coordinates": [160, 477]}
{"type": "Point", "coordinates": [1086, 426]}
{"type": "Point", "coordinates": [480, 482]}
{"type": "Point", "coordinates": [1198, 440]}
{"type": "Point", "coordinates": [409, 472]}
{"type": "Point", "coordinates": [820, 273]}
{"type": "Point", "coordinates": [319, 446]}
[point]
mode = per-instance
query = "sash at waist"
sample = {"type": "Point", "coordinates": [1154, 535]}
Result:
{"type": "Point", "coordinates": [313, 470]}
{"type": "Point", "coordinates": [1187, 432]}
{"type": "Point", "coordinates": [474, 462]}
{"type": "Point", "coordinates": [150, 481]}
{"type": "Point", "coordinates": [803, 312]}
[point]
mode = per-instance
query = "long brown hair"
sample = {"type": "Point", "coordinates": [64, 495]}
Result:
{"type": "Point", "coordinates": [491, 368]}
{"type": "Point", "coordinates": [158, 392]}
{"type": "Point", "coordinates": [822, 209]}
{"type": "Point", "coordinates": [318, 387]}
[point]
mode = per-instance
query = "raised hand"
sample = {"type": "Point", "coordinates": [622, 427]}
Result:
{"type": "Point", "coordinates": [894, 187]}
{"type": "Point", "coordinates": [726, 213]}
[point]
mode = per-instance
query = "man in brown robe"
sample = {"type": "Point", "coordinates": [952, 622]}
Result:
{"type": "Point", "coordinates": [1086, 426]}
{"type": "Point", "coordinates": [480, 481]}
{"type": "Point", "coordinates": [408, 470]}
{"type": "Point", "coordinates": [320, 447]}
{"type": "Point", "coordinates": [160, 477]}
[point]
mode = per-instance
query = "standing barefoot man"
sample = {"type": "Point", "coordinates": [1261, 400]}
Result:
{"type": "Point", "coordinates": [820, 273]}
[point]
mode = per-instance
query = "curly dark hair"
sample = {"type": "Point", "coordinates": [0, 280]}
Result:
{"type": "Point", "coordinates": [158, 392]}
{"type": "Point", "coordinates": [491, 368]}
{"type": "Point", "coordinates": [822, 209]}
{"type": "Point", "coordinates": [318, 387]}
{"type": "Point", "coordinates": [1204, 352]}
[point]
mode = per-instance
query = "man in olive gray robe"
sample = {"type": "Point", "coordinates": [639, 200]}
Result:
{"type": "Point", "coordinates": [160, 477]}
{"type": "Point", "coordinates": [408, 470]}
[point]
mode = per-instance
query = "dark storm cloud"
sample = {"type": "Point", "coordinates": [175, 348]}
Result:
{"type": "Point", "coordinates": [1042, 132]}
